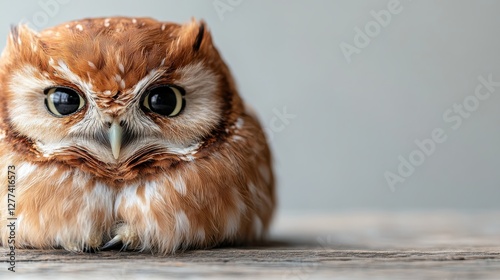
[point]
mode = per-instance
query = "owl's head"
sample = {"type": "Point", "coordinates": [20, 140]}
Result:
{"type": "Point", "coordinates": [115, 94]}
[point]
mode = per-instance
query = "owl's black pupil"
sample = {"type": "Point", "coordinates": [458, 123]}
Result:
{"type": "Point", "coordinates": [66, 101]}
{"type": "Point", "coordinates": [162, 100]}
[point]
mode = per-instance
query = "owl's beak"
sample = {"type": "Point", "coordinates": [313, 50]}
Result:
{"type": "Point", "coordinates": [115, 138]}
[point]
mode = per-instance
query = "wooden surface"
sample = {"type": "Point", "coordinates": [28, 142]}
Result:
{"type": "Point", "coordinates": [424, 245]}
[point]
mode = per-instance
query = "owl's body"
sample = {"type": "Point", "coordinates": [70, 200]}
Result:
{"type": "Point", "coordinates": [128, 130]}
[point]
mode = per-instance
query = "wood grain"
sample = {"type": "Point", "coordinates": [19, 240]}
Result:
{"type": "Point", "coordinates": [355, 245]}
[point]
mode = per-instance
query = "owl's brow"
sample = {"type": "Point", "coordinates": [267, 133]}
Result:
{"type": "Point", "coordinates": [150, 78]}
{"type": "Point", "coordinates": [65, 72]}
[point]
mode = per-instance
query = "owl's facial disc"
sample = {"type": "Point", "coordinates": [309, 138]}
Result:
{"type": "Point", "coordinates": [166, 101]}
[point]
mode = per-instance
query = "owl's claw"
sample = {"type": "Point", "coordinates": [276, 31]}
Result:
{"type": "Point", "coordinates": [117, 239]}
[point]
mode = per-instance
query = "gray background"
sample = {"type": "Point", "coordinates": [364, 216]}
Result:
{"type": "Point", "coordinates": [352, 120]}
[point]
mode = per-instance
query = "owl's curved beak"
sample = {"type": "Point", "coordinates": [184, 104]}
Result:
{"type": "Point", "coordinates": [115, 138]}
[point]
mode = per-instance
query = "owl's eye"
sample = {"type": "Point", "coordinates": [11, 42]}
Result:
{"type": "Point", "coordinates": [164, 100]}
{"type": "Point", "coordinates": [62, 101]}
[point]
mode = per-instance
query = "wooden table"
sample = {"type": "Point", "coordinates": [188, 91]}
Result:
{"type": "Point", "coordinates": [350, 245]}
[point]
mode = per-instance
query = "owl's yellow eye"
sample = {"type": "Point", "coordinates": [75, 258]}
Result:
{"type": "Point", "coordinates": [164, 100]}
{"type": "Point", "coordinates": [63, 101]}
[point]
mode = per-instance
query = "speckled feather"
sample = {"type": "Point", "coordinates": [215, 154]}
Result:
{"type": "Point", "coordinates": [197, 180]}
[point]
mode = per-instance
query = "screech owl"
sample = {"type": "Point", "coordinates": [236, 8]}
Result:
{"type": "Point", "coordinates": [128, 131]}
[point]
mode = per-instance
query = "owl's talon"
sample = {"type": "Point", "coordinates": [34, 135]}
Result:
{"type": "Point", "coordinates": [117, 239]}
{"type": "Point", "coordinates": [90, 250]}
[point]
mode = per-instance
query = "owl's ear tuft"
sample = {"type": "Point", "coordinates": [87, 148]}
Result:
{"type": "Point", "coordinates": [14, 34]}
{"type": "Point", "coordinates": [199, 37]}
{"type": "Point", "coordinates": [20, 34]}
{"type": "Point", "coordinates": [195, 36]}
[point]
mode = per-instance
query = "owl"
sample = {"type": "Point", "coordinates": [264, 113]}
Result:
{"type": "Point", "coordinates": [127, 132]}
